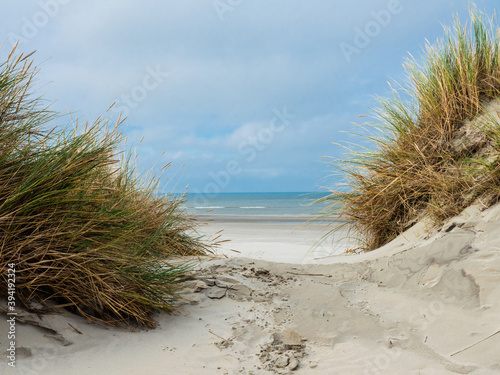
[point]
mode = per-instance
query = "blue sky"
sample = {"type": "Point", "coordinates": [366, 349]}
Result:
{"type": "Point", "coordinates": [240, 95]}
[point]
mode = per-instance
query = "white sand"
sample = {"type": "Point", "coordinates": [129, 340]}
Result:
{"type": "Point", "coordinates": [293, 242]}
{"type": "Point", "coordinates": [411, 307]}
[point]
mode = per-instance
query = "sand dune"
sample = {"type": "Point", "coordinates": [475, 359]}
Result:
{"type": "Point", "coordinates": [423, 304]}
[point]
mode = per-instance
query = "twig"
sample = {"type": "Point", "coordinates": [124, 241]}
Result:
{"type": "Point", "coordinates": [217, 335]}
{"type": "Point", "coordinates": [486, 338]}
{"type": "Point", "coordinates": [77, 330]}
{"type": "Point", "coordinates": [309, 274]}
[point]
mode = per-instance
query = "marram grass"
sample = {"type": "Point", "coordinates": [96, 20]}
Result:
{"type": "Point", "coordinates": [437, 142]}
{"type": "Point", "coordinates": [84, 231]}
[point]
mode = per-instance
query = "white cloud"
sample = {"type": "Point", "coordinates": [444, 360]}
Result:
{"type": "Point", "coordinates": [226, 77]}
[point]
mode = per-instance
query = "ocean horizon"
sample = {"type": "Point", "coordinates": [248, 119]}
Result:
{"type": "Point", "coordinates": [285, 204]}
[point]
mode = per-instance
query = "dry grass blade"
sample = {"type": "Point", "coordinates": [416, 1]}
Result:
{"type": "Point", "coordinates": [438, 141]}
{"type": "Point", "coordinates": [86, 234]}
{"type": "Point", "coordinates": [476, 343]}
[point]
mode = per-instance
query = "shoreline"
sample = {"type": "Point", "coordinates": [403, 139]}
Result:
{"type": "Point", "coordinates": [228, 218]}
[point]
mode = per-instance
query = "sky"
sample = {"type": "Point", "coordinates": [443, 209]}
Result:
{"type": "Point", "coordinates": [239, 95]}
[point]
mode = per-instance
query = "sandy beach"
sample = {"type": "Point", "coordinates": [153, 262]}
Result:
{"type": "Point", "coordinates": [286, 239]}
{"type": "Point", "coordinates": [161, 199]}
{"type": "Point", "coordinates": [426, 303]}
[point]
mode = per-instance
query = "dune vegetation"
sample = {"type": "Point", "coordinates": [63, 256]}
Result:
{"type": "Point", "coordinates": [84, 231]}
{"type": "Point", "coordinates": [434, 143]}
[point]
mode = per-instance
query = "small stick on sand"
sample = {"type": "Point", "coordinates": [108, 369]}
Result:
{"type": "Point", "coordinates": [309, 274]}
{"type": "Point", "coordinates": [486, 338]}
{"type": "Point", "coordinates": [217, 335]}
{"type": "Point", "coordinates": [77, 330]}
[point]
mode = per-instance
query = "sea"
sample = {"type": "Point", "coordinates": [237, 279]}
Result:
{"type": "Point", "coordinates": [255, 204]}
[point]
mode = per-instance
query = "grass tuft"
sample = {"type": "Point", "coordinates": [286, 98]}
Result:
{"type": "Point", "coordinates": [84, 231]}
{"type": "Point", "coordinates": [438, 141]}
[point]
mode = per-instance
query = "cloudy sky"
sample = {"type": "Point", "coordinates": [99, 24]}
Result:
{"type": "Point", "coordinates": [240, 95]}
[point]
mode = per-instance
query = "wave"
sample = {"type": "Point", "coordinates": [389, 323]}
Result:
{"type": "Point", "coordinates": [207, 207]}
{"type": "Point", "coordinates": [253, 207]}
